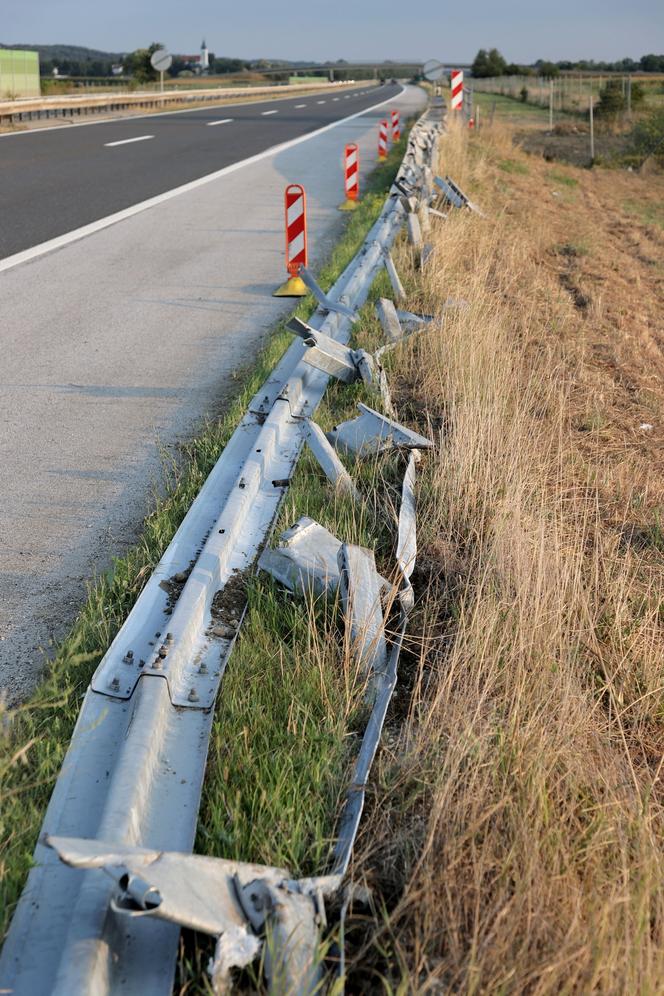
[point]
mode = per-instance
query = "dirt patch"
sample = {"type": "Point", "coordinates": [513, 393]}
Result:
{"type": "Point", "coordinates": [228, 606]}
{"type": "Point", "coordinates": [173, 587]}
{"type": "Point", "coordinates": [571, 144]}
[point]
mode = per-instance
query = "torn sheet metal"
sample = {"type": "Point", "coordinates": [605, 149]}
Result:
{"type": "Point", "coordinates": [403, 187]}
{"type": "Point", "coordinates": [450, 194]}
{"type": "Point", "coordinates": [225, 899]}
{"type": "Point", "coordinates": [354, 803]}
{"type": "Point", "coordinates": [455, 195]}
{"type": "Point", "coordinates": [306, 559]}
{"type": "Point", "coordinates": [410, 204]}
{"type": "Point", "coordinates": [426, 254]}
{"type": "Point", "coordinates": [330, 463]}
{"type": "Point", "coordinates": [322, 298]}
{"type": "Point", "coordinates": [372, 433]}
{"type": "Point", "coordinates": [389, 319]}
{"type": "Point", "coordinates": [466, 200]}
{"type": "Point", "coordinates": [326, 353]}
{"type": "Point", "coordinates": [366, 365]}
{"type": "Point", "coordinates": [237, 947]}
{"type": "Point", "coordinates": [385, 394]}
{"type": "Point", "coordinates": [361, 587]}
{"type": "Point", "coordinates": [410, 319]}
{"type": "Point", "coordinates": [407, 535]}
{"type": "Point", "coordinates": [333, 357]}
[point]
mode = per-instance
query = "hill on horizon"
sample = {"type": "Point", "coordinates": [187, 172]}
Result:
{"type": "Point", "coordinates": [62, 51]}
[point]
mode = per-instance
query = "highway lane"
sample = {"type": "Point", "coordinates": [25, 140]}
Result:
{"type": "Point", "coordinates": [115, 346]}
{"type": "Point", "coordinates": [53, 181]}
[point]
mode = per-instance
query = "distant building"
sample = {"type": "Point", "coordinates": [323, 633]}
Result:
{"type": "Point", "coordinates": [198, 63]}
{"type": "Point", "coordinates": [117, 70]}
{"type": "Point", "coordinates": [19, 73]}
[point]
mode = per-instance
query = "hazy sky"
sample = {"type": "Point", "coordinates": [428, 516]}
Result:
{"type": "Point", "coordinates": [451, 30]}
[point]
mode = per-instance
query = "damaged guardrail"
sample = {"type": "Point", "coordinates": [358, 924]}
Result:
{"type": "Point", "coordinates": [114, 877]}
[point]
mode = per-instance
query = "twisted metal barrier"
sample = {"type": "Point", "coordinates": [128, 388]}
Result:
{"type": "Point", "coordinates": [114, 877]}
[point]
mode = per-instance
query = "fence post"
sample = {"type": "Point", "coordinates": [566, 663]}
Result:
{"type": "Point", "coordinates": [551, 104]}
{"type": "Point", "coordinates": [592, 130]}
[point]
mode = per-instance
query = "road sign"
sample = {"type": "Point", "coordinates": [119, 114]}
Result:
{"type": "Point", "coordinates": [433, 70]}
{"type": "Point", "coordinates": [161, 60]}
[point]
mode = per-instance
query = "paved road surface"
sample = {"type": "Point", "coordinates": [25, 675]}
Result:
{"type": "Point", "coordinates": [116, 345]}
{"type": "Point", "coordinates": [52, 181]}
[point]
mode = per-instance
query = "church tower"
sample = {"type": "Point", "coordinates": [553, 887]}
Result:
{"type": "Point", "coordinates": [205, 60]}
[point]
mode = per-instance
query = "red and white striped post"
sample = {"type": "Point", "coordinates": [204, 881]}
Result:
{"type": "Point", "coordinates": [295, 206]}
{"type": "Point", "coordinates": [396, 126]}
{"type": "Point", "coordinates": [457, 89]}
{"type": "Point", "coordinates": [351, 177]}
{"type": "Point", "coordinates": [382, 140]}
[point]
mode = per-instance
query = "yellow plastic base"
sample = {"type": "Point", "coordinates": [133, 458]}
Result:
{"type": "Point", "coordinates": [294, 287]}
{"type": "Point", "coordinates": [381, 159]}
{"type": "Point", "coordinates": [348, 205]}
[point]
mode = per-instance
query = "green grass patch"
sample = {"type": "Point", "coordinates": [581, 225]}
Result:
{"type": "Point", "coordinates": [513, 166]}
{"type": "Point", "coordinates": [276, 699]}
{"type": "Point", "coordinates": [572, 249]}
{"type": "Point", "coordinates": [508, 108]}
{"type": "Point", "coordinates": [651, 212]}
{"type": "Point", "coordinates": [559, 176]}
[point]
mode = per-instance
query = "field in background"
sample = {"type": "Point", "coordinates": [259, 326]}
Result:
{"type": "Point", "coordinates": [571, 93]}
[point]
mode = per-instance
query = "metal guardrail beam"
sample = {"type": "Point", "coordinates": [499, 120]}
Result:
{"type": "Point", "coordinates": [133, 773]}
{"type": "Point", "coordinates": [40, 107]}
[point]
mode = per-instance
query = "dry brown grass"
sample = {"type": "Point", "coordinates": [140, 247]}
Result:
{"type": "Point", "coordinates": [515, 841]}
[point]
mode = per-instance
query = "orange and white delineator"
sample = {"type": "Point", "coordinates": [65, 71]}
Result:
{"type": "Point", "coordinates": [456, 81]}
{"type": "Point", "coordinates": [396, 126]}
{"type": "Point", "coordinates": [382, 140]}
{"type": "Point", "coordinates": [295, 206]}
{"type": "Point", "coordinates": [351, 177]}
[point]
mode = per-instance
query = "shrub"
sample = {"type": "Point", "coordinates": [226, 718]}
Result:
{"type": "Point", "coordinates": [648, 136]}
{"type": "Point", "coordinates": [611, 99]}
{"type": "Point", "coordinates": [523, 94]}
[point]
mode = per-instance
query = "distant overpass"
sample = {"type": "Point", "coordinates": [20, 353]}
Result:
{"type": "Point", "coordinates": [377, 68]}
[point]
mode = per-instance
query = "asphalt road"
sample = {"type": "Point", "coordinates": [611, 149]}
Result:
{"type": "Point", "coordinates": [115, 346]}
{"type": "Point", "coordinates": [53, 181]}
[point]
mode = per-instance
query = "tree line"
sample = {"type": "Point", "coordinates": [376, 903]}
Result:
{"type": "Point", "coordinates": [491, 63]}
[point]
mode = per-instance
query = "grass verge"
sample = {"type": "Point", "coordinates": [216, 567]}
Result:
{"type": "Point", "coordinates": [514, 839]}
{"type": "Point", "coordinates": [35, 736]}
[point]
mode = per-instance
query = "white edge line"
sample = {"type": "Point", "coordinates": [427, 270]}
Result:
{"type": "Point", "coordinates": [80, 233]}
{"type": "Point", "coordinates": [211, 105]}
{"type": "Point", "coordinates": [211, 124]}
{"type": "Point", "coordinates": [127, 141]}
